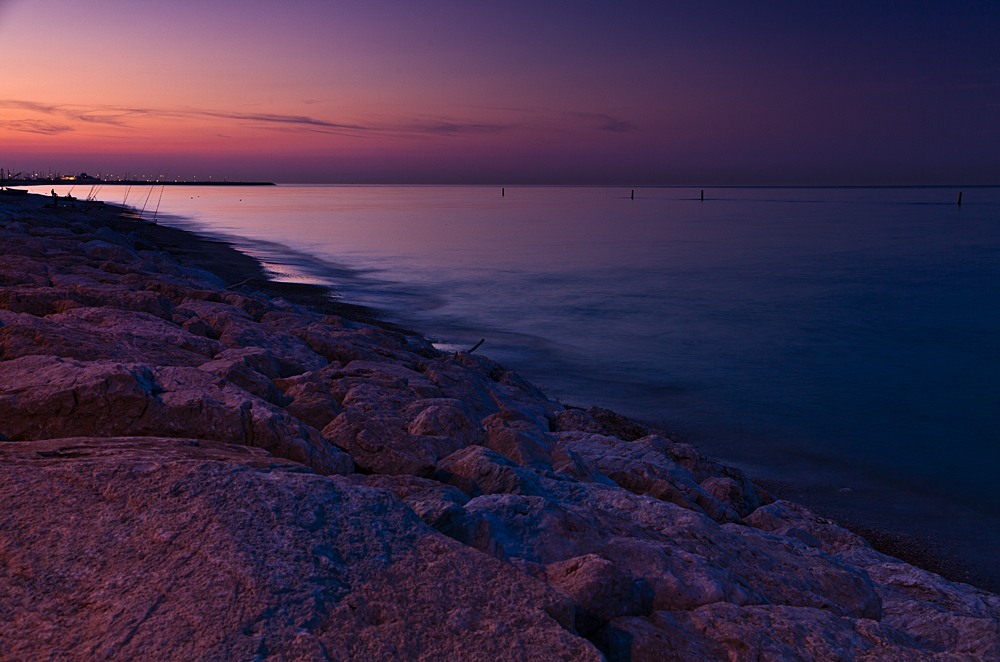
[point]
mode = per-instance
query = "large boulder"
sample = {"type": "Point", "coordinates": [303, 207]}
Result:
{"type": "Point", "coordinates": [688, 559]}
{"type": "Point", "coordinates": [938, 613]}
{"type": "Point", "coordinates": [645, 467]}
{"type": "Point", "coordinates": [252, 369]}
{"type": "Point", "coordinates": [440, 507]}
{"type": "Point", "coordinates": [44, 397]}
{"type": "Point", "coordinates": [442, 417]}
{"type": "Point", "coordinates": [762, 632]}
{"type": "Point", "coordinates": [517, 437]}
{"type": "Point", "coordinates": [189, 552]}
{"type": "Point", "coordinates": [237, 329]}
{"type": "Point", "coordinates": [310, 400]}
{"type": "Point", "coordinates": [395, 420]}
{"type": "Point", "coordinates": [486, 388]}
{"type": "Point", "coordinates": [600, 591]}
{"type": "Point", "coordinates": [23, 270]}
{"type": "Point", "coordinates": [476, 470]}
{"type": "Point", "coordinates": [331, 342]}
{"type": "Point", "coordinates": [103, 333]}
{"type": "Point", "coordinates": [381, 444]}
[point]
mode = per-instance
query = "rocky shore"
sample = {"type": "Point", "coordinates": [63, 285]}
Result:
{"type": "Point", "coordinates": [198, 464]}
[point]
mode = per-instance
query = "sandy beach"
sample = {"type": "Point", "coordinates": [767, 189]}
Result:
{"type": "Point", "coordinates": [293, 477]}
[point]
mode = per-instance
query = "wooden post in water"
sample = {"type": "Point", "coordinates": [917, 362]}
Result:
{"type": "Point", "coordinates": [501, 191]}
{"type": "Point", "coordinates": [703, 195]}
{"type": "Point", "coordinates": [633, 194]}
{"type": "Point", "coordinates": [959, 198]}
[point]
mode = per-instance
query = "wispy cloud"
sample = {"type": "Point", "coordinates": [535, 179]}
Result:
{"type": "Point", "coordinates": [36, 126]}
{"type": "Point", "coordinates": [607, 122]}
{"type": "Point", "coordinates": [126, 116]}
{"type": "Point", "coordinates": [123, 115]}
{"type": "Point", "coordinates": [266, 118]}
{"type": "Point", "coordinates": [110, 115]}
{"type": "Point", "coordinates": [446, 127]}
{"type": "Point", "coordinates": [511, 109]}
{"type": "Point", "coordinates": [616, 125]}
{"type": "Point", "coordinates": [414, 127]}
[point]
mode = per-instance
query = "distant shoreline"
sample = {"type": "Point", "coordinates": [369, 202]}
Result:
{"type": "Point", "coordinates": [124, 182]}
{"type": "Point", "coordinates": [142, 182]}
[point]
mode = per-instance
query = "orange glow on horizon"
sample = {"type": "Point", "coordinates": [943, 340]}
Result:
{"type": "Point", "coordinates": [651, 93]}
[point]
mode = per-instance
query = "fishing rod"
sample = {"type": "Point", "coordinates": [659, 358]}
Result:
{"type": "Point", "coordinates": [162, 186]}
{"type": "Point", "coordinates": [147, 196]}
{"type": "Point", "coordinates": [143, 210]}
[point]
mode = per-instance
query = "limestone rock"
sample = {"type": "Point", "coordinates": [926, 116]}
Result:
{"type": "Point", "coordinates": [287, 348]}
{"type": "Point", "coordinates": [600, 591]}
{"type": "Point", "coordinates": [330, 342]}
{"type": "Point", "coordinates": [782, 634]}
{"type": "Point", "coordinates": [21, 270]}
{"type": "Point", "coordinates": [476, 470]}
{"type": "Point", "coordinates": [519, 439]}
{"type": "Point", "coordinates": [41, 301]}
{"type": "Point", "coordinates": [102, 333]}
{"type": "Point", "coordinates": [570, 463]}
{"type": "Point", "coordinates": [312, 403]}
{"type": "Point", "coordinates": [688, 559]}
{"type": "Point", "coordinates": [45, 397]}
{"type": "Point", "coordinates": [787, 518]}
{"type": "Point", "coordinates": [410, 384]}
{"type": "Point", "coordinates": [162, 556]}
{"type": "Point", "coordinates": [644, 467]}
{"type": "Point", "coordinates": [251, 370]}
{"type": "Point", "coordinates": [577, 420]}
{"type": "Point", "coordinates": [443, 417]}
{"type": "Point", "coordinates": [616, 425]}
{"type": "Point", "coordinates": [198, 327]}
{"type": "Point", "coordinates": [439, 506]}
{"type": "Point", "coordinates": [381, 444]}
{"type": "Point", "coordinates": [703, 467]}
{"type": "Point", "coordinates": [939, 614]}
{"type": "Point", "coordinates": [237, 330]}
{"type": "Point", "coordinates": [477, 382]}
{"type": "Point", "coordinates": [730, 494]}
{"type": "Point", "coordinates": [108, 251]}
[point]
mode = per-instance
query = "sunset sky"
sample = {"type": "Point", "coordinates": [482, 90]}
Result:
{"type": "Point", "coordinates": [514, 92]}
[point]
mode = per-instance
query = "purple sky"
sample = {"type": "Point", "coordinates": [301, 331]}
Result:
{"type": "Point", "coordinates": [534, 92]}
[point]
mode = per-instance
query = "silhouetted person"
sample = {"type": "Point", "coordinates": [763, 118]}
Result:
{"type": "Point", "coordinates": [55, 198]}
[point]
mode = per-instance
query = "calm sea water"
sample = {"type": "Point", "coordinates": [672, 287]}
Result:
{"type": "Point", "coordinates": [845, 340]}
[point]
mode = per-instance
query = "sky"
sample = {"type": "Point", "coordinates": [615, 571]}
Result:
{"type": "Point", "coordinates": [664, 93]}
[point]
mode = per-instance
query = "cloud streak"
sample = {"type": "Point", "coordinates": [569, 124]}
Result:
{"type": "Point", "coordinates": [449, 127]}
{"type": "Point", "coordinates": [36, 126]}
{"type": "Point", "coordinates": [93, 114]}
{"type": "Point", "coordinates": [608, 122]}
{"type": "Point", "coordinates": [125, 117]}
{"type": "Point", "coordinates": [267, 118]}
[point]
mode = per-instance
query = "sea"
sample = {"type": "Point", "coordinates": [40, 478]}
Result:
{"type": "Point", "coordinates": [839, 344]}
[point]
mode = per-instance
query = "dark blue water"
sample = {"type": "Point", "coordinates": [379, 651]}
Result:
{"type": "Point", "coordinates": [843, 339]}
